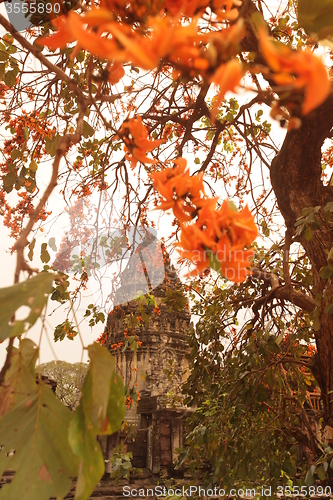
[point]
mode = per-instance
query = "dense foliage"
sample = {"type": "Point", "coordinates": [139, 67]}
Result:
{"type": "Point", "coordinates": [69, 378]}
{"type": "Point", "coordinates": [123, 107]}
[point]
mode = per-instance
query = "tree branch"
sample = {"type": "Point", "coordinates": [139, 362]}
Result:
{"type": "Point", "coordinates": [33, 49]}
{"type": "Point", "coordinates": [283, 292]}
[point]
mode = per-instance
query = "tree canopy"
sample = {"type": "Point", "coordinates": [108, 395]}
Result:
{"type": "Point", "coordinates": [218, 112]}
{"type": "Point", "coordinates": [69, 378]}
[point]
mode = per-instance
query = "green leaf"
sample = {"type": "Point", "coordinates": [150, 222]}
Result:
{"type": "Point", "coordinates": [326, 272]}
{"type": "Point", "coordinates": [3, 55]}
{"type": "Point", "coordinates": [33, 166]}
{"type": "Point", "coordinates": [51, 144]}
{"type": "Point", "coordinates": [65, 329]}
{"type": "Point", "coordinates": [321, 473]}
{"type": "Point", "coordinates": [15, 154]}
{"type": "Point", "coordinates": [84, 444]}
{"type": "Point", "coordinates": [88, 130]}
{"type": "Point", "coordinates": [306, 211]}
{"type": "Point", "coordinates": [31, 249]}
{"type": "Point", "coordinates": [214, 263]}
{"type": "Point", "coordinates": [259, 114]}
{"type": "Point", "coordinates": [232, 206]}
{"type": "Point", "coordinates": [52, 244]}
{"type": "Point", "coordinates": [126, 465]}
{"type": "Point", "coordinates": [80, 56]}
{"type": "Point", "coordinates": [2, 71]}
{"type": "Point", "coordinates": [106, 385]}
{"type": "Point", "coordinates": [8, 181]}
{"type": "Point", "coordinates": [36, 427]}
{"type": "Point", "coordinates": [316, 17]}
{"type": "Point", "coordinates": [101, 411]}
{"type": "Point", "coordinates": [26, 133]}
{"type": "Point", "coordinates": [20, 377]}
{"type": "Point", "coordinates": [10, 48]}
{"type": "Point", "coordinates": [265, 228]}
{"type": "Point", "coordinates": [134, 346]}
{"type": "Point", "coordinates": [328, 207]}
{"type": "Point", "coordinates": [308, 233]}
{"type": "Point", "coordinates": [280, 338]}
{"type": "Point", "coordinates": [101, 368]}
{"type": "Point", "coordinates": [309, 479]}
{"type": "Point", "coordinates": [32, 293]}
{"type": "Point", "coordinates": [316, 324]}
{"type": "Point", "coordinates": [116, 404]}
{"type": "Point", "coordinates": [44, 254]}
{"type": "Point", "coordinates": [10, 78]}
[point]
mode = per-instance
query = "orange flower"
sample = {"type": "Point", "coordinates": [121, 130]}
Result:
{"type": "Point", "coordinates": [166, 37]}
{"type": "Point", "coordinates": [180, 190]}
{"type": "Point", "coordinates": [102, 338]}
{"type": "Point", "coordinates": [225, 9]}
{"type": "Point", "coordinates": [88, 39]}
{"type": "Point", "coordinates": [239, 225]}
{"type": "Point", "coordinates": [218, 238]}
{"type": "Point", "coordinates": [71, 28]}
{"type": "Point", "coordinates": [186, 7]}
{"type": "Point", "coordinates": [116, 72]}
{"type": "Point", "coordinates": [141, 54]}
{"type": "Point", "coordinates": [234, 261]}
{"type": "Point", "coordinates": [162, 179]}
{"type": "Point", "coordinates": [98, 32]}
{"type": "Point", "coordinates": [227, 77]}
{"type": "Point", "coordinates": [297, 69]}
{"type": "Point", "coordinates": [195, 238]}
{"type": "Point", "coordinates": [137, 144]}
{"type": "Point", "coordinates": [192, 243]}
{"type": "Point", "coordinates": [61, 38]}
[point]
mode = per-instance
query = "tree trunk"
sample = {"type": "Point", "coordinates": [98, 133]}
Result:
{"type": "Point", "coordinates": [296, 180]}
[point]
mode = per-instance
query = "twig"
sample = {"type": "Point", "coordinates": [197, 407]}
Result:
{"type": "Point", "coordinates": [33, 49]}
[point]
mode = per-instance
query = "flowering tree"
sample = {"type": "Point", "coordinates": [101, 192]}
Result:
{"type": "Point", "coordinates": [131, 98]}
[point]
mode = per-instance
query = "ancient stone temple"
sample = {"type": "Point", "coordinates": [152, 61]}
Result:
{"type": "Point", "coordinates": [158, 367]}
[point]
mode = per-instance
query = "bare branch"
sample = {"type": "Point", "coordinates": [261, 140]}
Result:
{"type": "Point", "coordinates": [33, 49]}
{"type": "Point", "coordinates": [283, 292]}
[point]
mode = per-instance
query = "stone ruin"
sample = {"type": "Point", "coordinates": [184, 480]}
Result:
{"type": "Point", "coordinates": [159, 366]}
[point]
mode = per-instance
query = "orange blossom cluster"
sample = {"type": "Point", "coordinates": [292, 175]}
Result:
{"type": "Point", "coordinates": [211, 236]}
{"type": "Point", "coordinates": [297, 69]}
{"type": "Point", "coordinates": [183, 45]}
{"type": "Point", "coordinates": [111, 32]}
{"type": "Point", "coordinates": [137, 145]}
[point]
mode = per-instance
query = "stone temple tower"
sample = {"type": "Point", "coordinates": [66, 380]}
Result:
{"type": "Point", "coordinates": [158, 367]}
